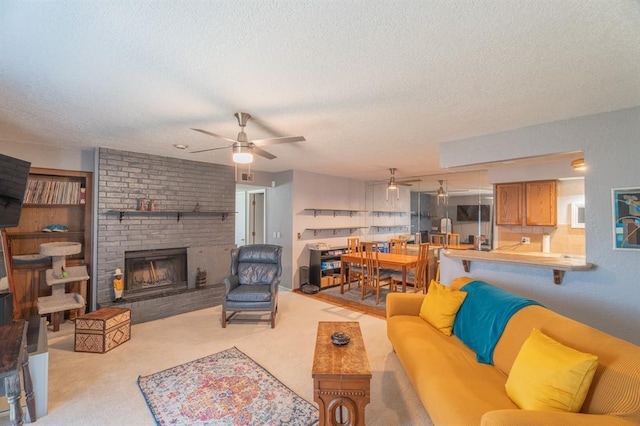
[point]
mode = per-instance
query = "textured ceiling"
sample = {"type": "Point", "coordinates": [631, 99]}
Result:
{"type": "Point", "coordinates": [371, 84]}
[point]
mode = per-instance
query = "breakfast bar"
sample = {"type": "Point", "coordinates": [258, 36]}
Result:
{"type": "Point", "coordinates": [557, 262]}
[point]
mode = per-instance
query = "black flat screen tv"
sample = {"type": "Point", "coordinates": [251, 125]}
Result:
{"type": "Point", "coordinates": [470, 213]}
{"type": "Point", "coordinates": [14, 175]}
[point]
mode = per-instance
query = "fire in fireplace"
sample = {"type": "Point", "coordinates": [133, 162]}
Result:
{"type": "Point", "coordinates": [151, 271]}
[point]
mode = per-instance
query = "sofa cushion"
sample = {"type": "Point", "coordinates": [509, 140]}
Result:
{"type": "Point", "coordinates": [440, 306]}
{"type": "Point", "coordinates": [454, 388]}
{"type": "Point", "coordinates": [550, 376]}
{"type": "Point", "coordinates": [617, 379]}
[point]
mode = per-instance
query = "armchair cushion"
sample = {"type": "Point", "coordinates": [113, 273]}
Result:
{"type": "Point", "coordinates": [250, 293]}
{"type": "Point", "coordinates": [257, 264]}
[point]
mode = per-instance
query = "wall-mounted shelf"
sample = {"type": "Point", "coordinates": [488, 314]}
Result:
{"type": "Point", "coordinates": [557, 263]}
{"type": "Point", "coordinates": [334, 229]}
{"type": "Point", "coordinates": [178, 214]}
{"type": "Point", "coordinates": [389, 227]}
{"type": "Point", "coordinates": [316, 212]}
{"type": "Point", "coordinates": [386, 212]}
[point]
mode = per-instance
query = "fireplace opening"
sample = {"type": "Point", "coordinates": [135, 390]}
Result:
{"type": "Point", "coordinates": [154, 271]}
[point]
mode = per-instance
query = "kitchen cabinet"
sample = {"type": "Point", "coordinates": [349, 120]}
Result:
{"type": "Point", "coordinates": [526, 203]}
{"type": "Point", "coordinates": [541, 203]}
{"type": "Point", "coordinates": [509, 202]}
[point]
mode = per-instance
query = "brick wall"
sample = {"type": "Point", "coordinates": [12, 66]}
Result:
{"type": "Point", "coordinates": [176, 185]}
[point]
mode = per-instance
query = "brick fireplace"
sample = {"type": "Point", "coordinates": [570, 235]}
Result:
{"type": "Point", "coordinates": [176, 186]}
{"type": "Point", "coordinates": [155, 271]}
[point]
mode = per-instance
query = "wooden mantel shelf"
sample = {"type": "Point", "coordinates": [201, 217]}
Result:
{"type": "Point", "coordinates": [178, 214]}
{"type": "Point", "coordinates": [558, 263]}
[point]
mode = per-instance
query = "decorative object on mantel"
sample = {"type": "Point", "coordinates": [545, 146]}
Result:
{"type": "Point", "coordinates": [152, 205]}
{"type": "Point", "coordinates": [196, 208]}
{"type": "Point", "coordinates": [142, 204]}
{"type": "Point", "coordinates": [201, 278]}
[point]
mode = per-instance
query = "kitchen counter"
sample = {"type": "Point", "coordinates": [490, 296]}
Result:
{"type": "Point", "coordinates": [559, 263]}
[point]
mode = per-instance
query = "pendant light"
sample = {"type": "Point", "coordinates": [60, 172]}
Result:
{"type": "Point", "coordinates": [441, 194]}
{"type": "Point", "coordinates": [393, 185]}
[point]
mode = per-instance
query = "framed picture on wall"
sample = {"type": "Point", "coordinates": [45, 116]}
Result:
{"type": "Point", "coordinates": [626, 218]}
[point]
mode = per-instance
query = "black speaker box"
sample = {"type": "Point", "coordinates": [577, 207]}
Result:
{"type": "Point", "coordinates": [6, 308]}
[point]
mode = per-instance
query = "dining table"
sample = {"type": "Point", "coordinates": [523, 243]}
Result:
{"type": "Point", "coordinates": [401, 262]}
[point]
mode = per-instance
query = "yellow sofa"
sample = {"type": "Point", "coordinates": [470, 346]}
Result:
{"type": "Point", "coordinates": [457, 390]}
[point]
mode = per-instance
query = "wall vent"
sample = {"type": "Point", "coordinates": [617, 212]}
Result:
{"type": "Point", "coordinates": [246, 177]}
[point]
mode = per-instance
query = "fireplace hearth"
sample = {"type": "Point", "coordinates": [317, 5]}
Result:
{"type": "Point", "coordinates": [156, 271]}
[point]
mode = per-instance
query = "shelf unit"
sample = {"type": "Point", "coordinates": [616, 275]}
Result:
{"type": "Point", "coordinates": [335, 213]}
{"type": "Point", "coordinates": [389, 228]}
{"type": "Point", "coordinates": [325, 267]}
{"type": "Point", "coordinates": [316, 212]}
{"type": "Point", "coordinates": [27, 267]}
{"type": "Point", "coordinates": [122, 214]}
{"type": "Point", "coordinates": [386, 212]}
{"type": "Point", "coordinates": [335, 230]}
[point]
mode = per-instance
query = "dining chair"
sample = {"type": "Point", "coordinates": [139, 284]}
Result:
{"type": "Point", "coordinates": [437, 239]}
{"type": "Point", "coordinates": [372, 278]}
{"type": "Point", "coordinates": [398, 246]}
{"type": "Point", "coordinates": [354, 270]}
{"type": "Point", "coordinates": [454, 239]}
{"type": "Point", "coordinates": [417, 276]}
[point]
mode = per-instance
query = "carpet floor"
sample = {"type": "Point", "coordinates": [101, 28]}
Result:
{"type": "Point", "coordinates": [102, 389]}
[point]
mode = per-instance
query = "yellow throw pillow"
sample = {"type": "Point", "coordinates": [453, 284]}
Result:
{"type": "Point", "coordinates": [549, 376]}
{"type": "Point", "coordinates": [440, 306]}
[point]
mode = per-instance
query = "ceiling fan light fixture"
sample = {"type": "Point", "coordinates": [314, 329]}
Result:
{"type": "Point", "coordinates": [579, 164]}
{"type": "Point", "coordinates": [242, 154]}
{"type": "Point", "coordinates": [392, 184]}
{"type": "Point", "coordinates": [441, 194]}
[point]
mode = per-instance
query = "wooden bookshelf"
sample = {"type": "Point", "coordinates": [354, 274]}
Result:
{"type": "Point", "coordinates": [53, 196]}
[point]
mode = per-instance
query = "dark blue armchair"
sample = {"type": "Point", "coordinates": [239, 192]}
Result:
{"type": "Point", "coordinates": [253, 283]}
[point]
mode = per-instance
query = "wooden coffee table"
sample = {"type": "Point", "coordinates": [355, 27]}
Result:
{"type": "Point", "coordinates": [341, 375]}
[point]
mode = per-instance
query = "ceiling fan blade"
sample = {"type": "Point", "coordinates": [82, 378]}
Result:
{"type": "Point", "coordinates": [275, 141]}
{"type": "Point", "coordinates": [209, 149]}
{"type": "Point", "coordinates": [215, 135]}
{"type": "Point", "coordinates": [263, 153]}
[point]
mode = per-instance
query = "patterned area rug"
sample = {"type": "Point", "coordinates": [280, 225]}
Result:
{"type": "Point", "coordinates": [227, 388]}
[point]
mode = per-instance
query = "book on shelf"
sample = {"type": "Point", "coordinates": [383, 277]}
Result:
{"type": "Point", "coordinates": [54, 192]}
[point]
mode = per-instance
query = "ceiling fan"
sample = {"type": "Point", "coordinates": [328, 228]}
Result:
{"type": "Point", "coordinates": [243, 148]}
{"type": "Point", "coordinates": [393, 183]}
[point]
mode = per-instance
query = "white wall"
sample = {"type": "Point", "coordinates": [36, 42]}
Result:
{"type": "Point", "coordinates": [278, 219]}
{"type": "Point", "coordinates": [50, 157]}
{"type": "Point", "coordinates": [317, 191]}
{"type": "Point", "coordinates": [607, 297]}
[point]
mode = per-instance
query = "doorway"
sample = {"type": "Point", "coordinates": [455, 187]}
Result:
{"type": "Point", "coordinates": [251, 217]}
